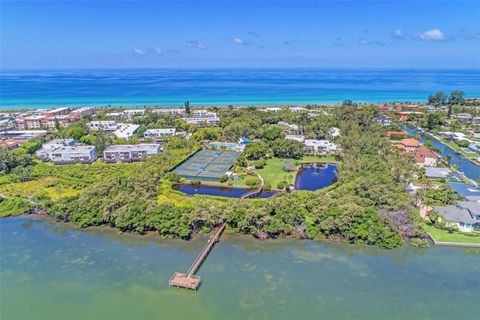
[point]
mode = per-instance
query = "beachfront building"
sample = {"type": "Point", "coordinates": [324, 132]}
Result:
{"type": "Point", "coordinates": [51, 119]}
{"type": "Point", "coordinates": [206, 119]}
{"type": "Point", "coordinates": [465, 215]}
{"type": "Point", "coordinates": [125, 130]}
{"type": "Point", "coordinates": [271, 109]}
{"type": "Point", "coordinates": [297, 109]}
{"type": "Point", "coordinates": [129, 152]}
{"type": "Point", "coordinates": [102, 125]}
{"type": "Point", "coordinates": [319, 147]}
{"type": "Point", "coordinates": [175, 111]}
{"type": "Point", "coordinates": [159, 134]}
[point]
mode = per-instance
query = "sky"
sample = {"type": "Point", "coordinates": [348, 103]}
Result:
{"type": "Point", "coordinates": [183, 34]}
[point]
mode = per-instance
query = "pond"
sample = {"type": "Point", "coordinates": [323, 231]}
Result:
{"type": "Point", "coordinates": [54, 271]}
{"type": "Point", "coordinates": [314, 176]}
{"type": "Point", "coordinates": [229, 192]}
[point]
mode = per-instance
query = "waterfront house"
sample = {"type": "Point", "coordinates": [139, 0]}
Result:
{"type": "Point", "coordinates": [465, 215]}
{"type": "Point", "coordinates": [397, 135]}
{"type": "Point", "coordinates": [129, 153]}
{"type": "Point", "coordinates": [409, 145]}
{"type": "Point", "coordinates": [126, 130]}
{"type": "Point", "coordinates": [159, 134]}
{"type": "Point", "coordinates": [102, 125]}
{"type": "Point", "coordinates": [437, 173]}
{"type": "Point", "coordinates": [319, 147]}
{"type": "Point", "coordinates": [425, 157]}
{"type": "Point", "coordinates": [384, 120]}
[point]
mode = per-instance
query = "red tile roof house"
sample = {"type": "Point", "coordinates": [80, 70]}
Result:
{"type": "Point", "coordinates": [409, 145]}
{"type": "Point", "coordinates": [425, 157]}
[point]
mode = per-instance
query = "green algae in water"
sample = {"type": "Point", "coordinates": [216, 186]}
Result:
{"type": "Point", "coordinates": [97, 274]}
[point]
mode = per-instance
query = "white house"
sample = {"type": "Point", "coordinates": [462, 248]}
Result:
{"type": "Point", "coordinates": [177, 111]}
{"type": "Point", "coordinates": [134, 112]}
{"type": "Point", "coordinates": [271, 109]}
{"type": "Point", "coordinates": [45, 152]}
{"type": "Point", "coordinates": [288, 126]}
{"type": "Point", "coordinates": [295, 137]}
{"type": "Point", "coordinates": [297, 109]}
{"type": "Point", "coordinates": [126, 130]}
{"type": "Point", "coordinates": [333, 132]}
{"type": "Point", "coordinates": [319, 146]}
{"type": "Point", "coordinates": [102, 125]}
{"type": "Point", "coordinates": [129, 152]}
{"type": "Point", "coordinates": [159, 133]}
{"type": "Point", "coordinates": [203, 121]}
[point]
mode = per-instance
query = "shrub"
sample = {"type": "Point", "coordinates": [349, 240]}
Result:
{"type": "Point", "coordinates": [224, 178]}
{"type": "Point", "coordinates": [267, 187]}
{"type": "Point", "coordinates": [195, 182]}
{"type": "Point", "coordinates": [251, 181]}
{"type": "Point", "coordinates": [289, 166]}
{"type": "Point", "coordinates": [280, 186]}
{"type": "Point", "coordinates": [260, 164]}
{"type": "Point", "coordinates": [420, 243]}
{"type": "Point", "coordinates": [463, 143]}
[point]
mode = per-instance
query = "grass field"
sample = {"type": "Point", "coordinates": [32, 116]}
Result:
{"type": "Point", "coordinates": [445, 236]}
{"type": "Point", "coordinates": [273, 172]}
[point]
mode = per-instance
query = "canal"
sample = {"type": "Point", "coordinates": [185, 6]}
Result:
{"type": "Point", "coordinates": [468, 168]}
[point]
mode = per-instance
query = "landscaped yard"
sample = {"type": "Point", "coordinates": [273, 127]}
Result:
{"type": "Point", "coordinates": [445, 236]}
{"type": "Point", "coordinates": [273, 172]}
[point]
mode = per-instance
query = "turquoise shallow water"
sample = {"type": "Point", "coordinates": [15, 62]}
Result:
{"type": "Point", "coordinates": [53, 271]}
{"type": "Point", "coordinates": [171, 87]}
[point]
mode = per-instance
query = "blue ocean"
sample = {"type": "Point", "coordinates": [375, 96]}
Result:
{"type": "Point", "coordinates": [209, 87]}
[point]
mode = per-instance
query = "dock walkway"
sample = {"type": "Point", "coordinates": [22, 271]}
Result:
{"type": "Point", "coordinates": [255, 192]}
{"type": "Point", "coordinates": [189, 280]}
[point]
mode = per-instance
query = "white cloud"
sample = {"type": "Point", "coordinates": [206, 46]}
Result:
{"type": "Point", "coordinates": [363, 41]}
{"type": "Point", "coordinates": [195, 44]}
{"type": "Point", "coordinates": [398, 34]}
{"type": "Point", "coordinates": [431, 35]}
{"type": "Point", "coordinates": [157, 50]}
{"type": "Point", "coordinates": [138, 52]}
{"type": "Point", "coordinates": [238, 41]}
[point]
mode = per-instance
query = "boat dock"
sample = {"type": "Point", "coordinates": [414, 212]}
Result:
{"type": "Point", "coordinates": [189, 280]}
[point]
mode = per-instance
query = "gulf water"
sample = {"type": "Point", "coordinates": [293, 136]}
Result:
{"type": "Point", "coordinates": [205, 87]}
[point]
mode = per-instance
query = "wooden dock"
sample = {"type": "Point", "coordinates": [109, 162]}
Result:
{"type": "Point", "coordinates": [189, 280]}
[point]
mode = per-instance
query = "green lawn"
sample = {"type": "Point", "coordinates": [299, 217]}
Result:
{"type": "Point", "coordinates": [273, 172]}
{"type": "Point", "coordinates": [444, 236]}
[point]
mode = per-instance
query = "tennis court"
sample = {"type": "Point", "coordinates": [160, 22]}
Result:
{"type": "Point", "coordinates": [207, 165]}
